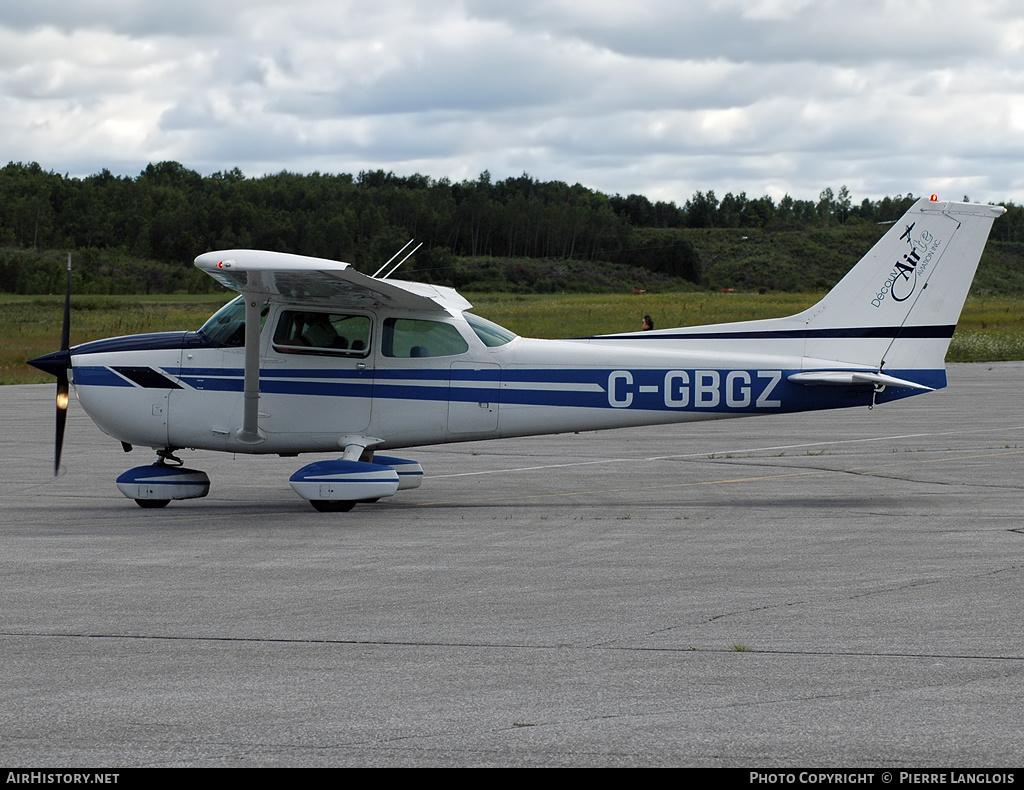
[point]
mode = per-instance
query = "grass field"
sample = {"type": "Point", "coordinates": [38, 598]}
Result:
{"type": "Point", "coordinates": [991, 327]}
{"type": "Point", "coordinates": [30, 325]}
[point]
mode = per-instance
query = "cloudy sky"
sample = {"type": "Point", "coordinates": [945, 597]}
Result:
{"type": "Point", "coordinates": [659, 97]}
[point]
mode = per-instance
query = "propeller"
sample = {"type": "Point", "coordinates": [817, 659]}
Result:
{"type": "Point", "coordinates": [56, 364]}
{"type": "Point", "coordinates": [62, 376]}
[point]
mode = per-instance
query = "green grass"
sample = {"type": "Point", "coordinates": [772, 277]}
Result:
{"type": "Point", "coordinates": [991, 327]}
{"type": "Point", "coordinates": [30, 325]}
{"type": "Point", "coordinates": [577, 315]}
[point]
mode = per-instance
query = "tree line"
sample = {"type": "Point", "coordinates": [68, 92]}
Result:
{"type": "Point", "coordinates": [169, 214]}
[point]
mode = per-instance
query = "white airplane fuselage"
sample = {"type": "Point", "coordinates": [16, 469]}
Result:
{"type": "Point", "coordinates": [179, 390]}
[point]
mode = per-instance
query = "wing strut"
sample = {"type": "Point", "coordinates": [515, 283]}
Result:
{"type": "Point", "coordinates": [250, 432]}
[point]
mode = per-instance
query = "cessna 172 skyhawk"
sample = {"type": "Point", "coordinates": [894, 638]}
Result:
{"type": "Point", "coordinates": [314, 357]}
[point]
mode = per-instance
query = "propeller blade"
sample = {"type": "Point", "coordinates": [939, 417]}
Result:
{"type": "Point", "coordinates": [62, 416]}
{"type": "Point", "coordinates": [62, 375]}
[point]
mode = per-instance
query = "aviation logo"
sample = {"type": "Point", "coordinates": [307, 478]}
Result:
{"type": "Point", "coordinates": [910, 267]}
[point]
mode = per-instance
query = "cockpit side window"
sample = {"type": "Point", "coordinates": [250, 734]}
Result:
{"type": "Point", "coordinates": [407, 338]}
{"type": "Point", "coordinates": [317, 332]}
{"type": "Point", "coordinates": [226, 327]}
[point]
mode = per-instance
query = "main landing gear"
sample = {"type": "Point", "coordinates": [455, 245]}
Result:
{"type": "Point", "coordinates": [333, 505]}
{"type": "Point", "coordinates": [333, 486]}
{"type": "Point", "coordinates": [336, 486]}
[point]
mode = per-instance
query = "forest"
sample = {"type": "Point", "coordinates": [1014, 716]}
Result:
{"type": "Point", "coordinates": [140, 234]}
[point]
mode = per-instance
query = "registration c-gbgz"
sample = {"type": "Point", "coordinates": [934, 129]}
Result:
{"type": "Point", "coordinates": [700, 389]}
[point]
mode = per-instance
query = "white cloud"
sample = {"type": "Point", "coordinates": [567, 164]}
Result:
{"type": "Point", "coordinates": [650, 96]}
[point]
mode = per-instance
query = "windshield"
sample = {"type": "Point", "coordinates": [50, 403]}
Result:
{"type": "Point", "coordinates": [226, 327]}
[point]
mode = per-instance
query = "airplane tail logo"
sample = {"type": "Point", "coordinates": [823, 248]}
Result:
{"type": "Point", "coordinates": [898, 307]}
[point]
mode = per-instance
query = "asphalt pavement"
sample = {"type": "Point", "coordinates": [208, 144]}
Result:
{"type": "Point", "coordinates": [835, 589]}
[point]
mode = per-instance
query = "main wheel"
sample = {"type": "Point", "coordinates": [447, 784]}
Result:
{"type": "Point", "coordinates": [152, 503]}
{"type": "Point", "coordinates": [333, 505]}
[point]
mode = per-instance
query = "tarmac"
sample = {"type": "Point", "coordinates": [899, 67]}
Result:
{"type": "Point", "coordinates": [832, 589]}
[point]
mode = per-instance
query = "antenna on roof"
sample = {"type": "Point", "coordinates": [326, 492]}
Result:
{"type": "Point", "coordinates": [394, 268]}
{"type": "Point", "coordinates": [382, 268]}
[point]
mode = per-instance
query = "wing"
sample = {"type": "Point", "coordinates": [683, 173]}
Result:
{"type": "Point", "coordinates": [318, 279]}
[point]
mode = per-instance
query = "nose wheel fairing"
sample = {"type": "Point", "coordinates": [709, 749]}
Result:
{"type": "Point", "coordinates": [157, 484]}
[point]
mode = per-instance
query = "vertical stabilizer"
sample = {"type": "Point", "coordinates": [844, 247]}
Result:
{"type": "Point", "coordinates": [897, 308]}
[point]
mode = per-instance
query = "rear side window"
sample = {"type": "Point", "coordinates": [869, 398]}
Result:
{"type": "Point", "coordinates": [407, 338]}
{"type": "Point", "coordinates": [316, 332]}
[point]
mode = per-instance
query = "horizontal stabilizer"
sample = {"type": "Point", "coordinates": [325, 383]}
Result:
{"type": "Point", "coordinates": [847, 378]}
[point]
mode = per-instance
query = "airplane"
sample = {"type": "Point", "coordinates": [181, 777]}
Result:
{"type": "Point", "coordinates": [315, 357]}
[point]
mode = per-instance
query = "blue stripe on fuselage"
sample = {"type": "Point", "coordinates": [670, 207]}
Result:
{"type": "Point", "coordinates": [98, 376]}
{"type": "Point", "coordinates": [698, 390]}
{"type": "Point", "coordinates": [837, 333]}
